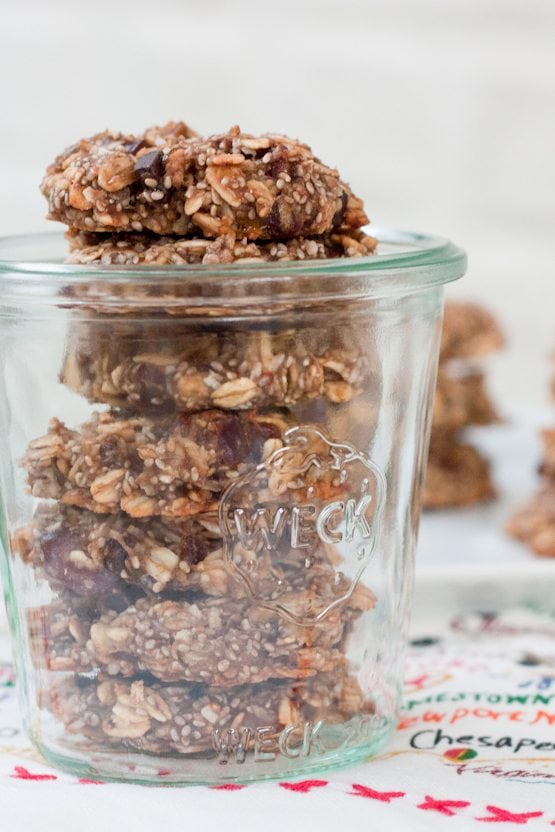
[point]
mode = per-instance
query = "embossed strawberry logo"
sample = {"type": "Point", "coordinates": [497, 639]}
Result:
{"type": "Point", "coordinates": [301, 527]}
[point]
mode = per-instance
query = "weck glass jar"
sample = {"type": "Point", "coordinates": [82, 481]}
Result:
{"type": "Point", "coordinates": [211, 480]}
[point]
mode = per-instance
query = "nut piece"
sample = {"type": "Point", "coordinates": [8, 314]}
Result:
{"type": "Point", "coordinates": [116, 173]}
{"type": "Point", "coordinates": [235, 394]}
{"type": "Point", "coordinates": [134, 711]}
{"type": "Point", "coordinates": [106, 488]}
{"type": "Point", "coordinates": [223, 181]}
{"type": "Point", "coordinates": [338, 391]}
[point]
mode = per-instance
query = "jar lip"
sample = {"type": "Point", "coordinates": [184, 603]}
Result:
{"type": "Point", "coordinates": [405, 261]}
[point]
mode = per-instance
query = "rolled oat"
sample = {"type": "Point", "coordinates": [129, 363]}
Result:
{"type": "Point", "coordinates": [153, 366]}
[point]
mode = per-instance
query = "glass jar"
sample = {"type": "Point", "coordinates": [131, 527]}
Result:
{"type": "Point", "coordinates": [211, 482]}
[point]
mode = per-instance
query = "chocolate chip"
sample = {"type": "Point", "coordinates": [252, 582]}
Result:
{"type": "Point", "coordinates": [340, 213]}
{"type": "Point", "coordinates": [194, 549]}
{"type": "Point", "coordinates": [274, 220]}
{"type": "Point", "coordinates": [134, 147]}
{"type": "Point", "coordinates": [150, 166]}
{"type": "Point", "coordinates": [114, 556]}
{"type": "Point", "coordinates": [136, 463]}
{"type": "Point", "coordinates": [121, 598]}
{"type": "Point", "coordinates": [282, 221]}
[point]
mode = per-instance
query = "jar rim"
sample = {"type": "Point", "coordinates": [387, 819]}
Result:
{"type": "Point", "coordinates": [406, 261]}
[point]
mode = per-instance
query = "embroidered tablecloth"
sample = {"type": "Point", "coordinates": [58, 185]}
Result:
{"type": "Point", "coordinates": [475, 745]}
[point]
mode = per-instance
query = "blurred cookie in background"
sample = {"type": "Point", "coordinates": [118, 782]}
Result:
{"type": "Point", "coordinates": [469, 331]}
{"type": "Point", "coordinates": [458, 474]}
{"type": "Point", "coordinates": [534, 522]}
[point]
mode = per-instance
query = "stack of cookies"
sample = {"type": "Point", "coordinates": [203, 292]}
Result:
{"type": "Point", "coordinates": [173, 197]}
{"type": "Point", "coordinates": [458, 474]}
{"type": "Point", "coordinates": [153, 642]}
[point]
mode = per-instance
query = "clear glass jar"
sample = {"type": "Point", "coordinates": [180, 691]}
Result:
{"type": "Point", "coordinates": [211, 483]}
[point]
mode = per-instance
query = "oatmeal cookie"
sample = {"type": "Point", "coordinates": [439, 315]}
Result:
{"type": "Point", "coordinates": [261, 187]}
{"type": "Point", "coordinates": [469, 331]}
{"type": "Point", "coordinates": [216, 641]}
{"type": "Point", "coordinates": [185, 719]}
{"type": "Point", "coordinates": [174, 466]}
{"type": "Point", "coordinates": [149, 250]}
{"type": "Point", "coordinates": [534, 523]}
{"type": "Point", "coordinates": [105, 557]}
{"type": "Point", "coordinates": [460, 401]}
{"type": "Point", "coordinates": [158, 365]}
{"type": "Point", "coordinates": [547, 466]}
{"type": "Point", "coordinates": [457, 475]}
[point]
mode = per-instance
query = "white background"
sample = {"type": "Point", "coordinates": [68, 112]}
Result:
{"type": "Point", "coordinates": [441, 113]}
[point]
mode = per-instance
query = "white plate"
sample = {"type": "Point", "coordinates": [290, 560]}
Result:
{"type": "Point", "coordinates": [465, 561]}
{"type": "Point", "coordinates": [471, 536]}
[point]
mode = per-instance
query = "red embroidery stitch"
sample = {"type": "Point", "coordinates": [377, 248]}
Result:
{"type": "Point", "coordinates": [229, 787]}
{"type": "Point", "coordinates": [418, 682]}
{"type": "Point", "coordinates": [498, 815]}
{"type": "Point", "coordinates": [366, 791]}
{"type": "Point", "coordinates": [86, 782]}
{"type": "Point", "coordinates": [444, 807]}
{"type": "Point", "coordinates": [304, 786]}
{"type": "Point", "coordinates": [23, 774]}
